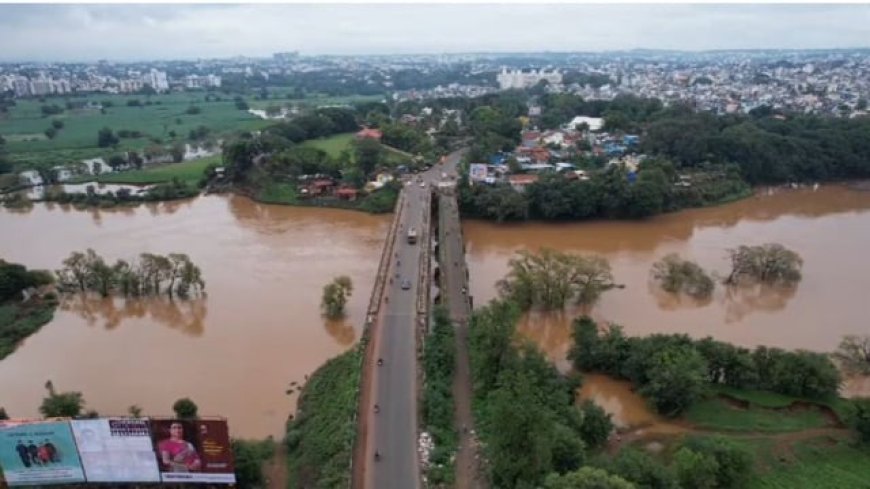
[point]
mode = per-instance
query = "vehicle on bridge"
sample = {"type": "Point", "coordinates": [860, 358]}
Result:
{"type": "Point", "coordinates": [412, 235]}
{"type": "Point", "coordinates": [406, 284]}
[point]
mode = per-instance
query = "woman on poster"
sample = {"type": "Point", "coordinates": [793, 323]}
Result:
{"type": "Point", "coordinates": [177, 454]}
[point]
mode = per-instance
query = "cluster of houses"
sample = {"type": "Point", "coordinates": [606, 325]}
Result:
{"type": "Point", "coordinates": [553, 151]}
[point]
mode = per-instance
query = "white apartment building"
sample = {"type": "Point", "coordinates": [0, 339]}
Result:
{"type": "Point", "coordinates": [520, 79]}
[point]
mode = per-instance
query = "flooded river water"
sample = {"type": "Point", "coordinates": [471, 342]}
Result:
{"type": "Point", "coordinates": [235, 351]}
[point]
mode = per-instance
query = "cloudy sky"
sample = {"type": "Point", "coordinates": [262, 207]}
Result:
{"type": "Point", "coordinates": [135, 32]}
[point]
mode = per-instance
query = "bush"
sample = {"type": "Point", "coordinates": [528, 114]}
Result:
{"type": "Point", "coordinates": [193, 110]}
{"type": "Point", "coordinates": [185, 408]}
{"type": "Point", "coordinates": [676, 275]}
{"type": "Point", "coordinates": [248, 459]}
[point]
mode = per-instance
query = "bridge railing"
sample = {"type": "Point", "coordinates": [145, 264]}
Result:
{"type": "Point", "coordinates": [364, 344]}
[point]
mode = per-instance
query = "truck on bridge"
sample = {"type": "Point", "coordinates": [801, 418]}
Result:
{"type": "Point", "coordinates": [412, 235]}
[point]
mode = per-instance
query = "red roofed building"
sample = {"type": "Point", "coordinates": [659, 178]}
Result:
{"type": "Point", "coordinates": [346, 193]}
{"type": "Point", "coordinates": [520, 182]}
{"type": "Point", "coordinates": [369, 133]}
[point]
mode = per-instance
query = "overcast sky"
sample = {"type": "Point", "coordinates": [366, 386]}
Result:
{"type": "Point", "coordinates": [141, 32]}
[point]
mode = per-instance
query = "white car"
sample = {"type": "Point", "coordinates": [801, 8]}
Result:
{"type": "Point", "coordinates": [422, 184]}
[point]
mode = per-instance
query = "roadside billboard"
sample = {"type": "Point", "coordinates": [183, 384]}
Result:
{"type": "Point", "coordinates": [193, 450]}
{"type": "Point", "coordinates": [39, 453]}
{"type": "Point", "coordinates": [116, 450]}
{"type": "Point", "coordinates": [477, 172]}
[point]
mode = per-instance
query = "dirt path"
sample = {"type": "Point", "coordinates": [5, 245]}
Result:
{"type": "Point", "coordinates": [454, 285]}
{"type": "Point", "coordinates": [669, 430]}
{"type": "Point", "coordinates": [275, 470]}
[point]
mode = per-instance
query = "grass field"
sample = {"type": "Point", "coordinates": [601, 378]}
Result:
{"type": "Point", "coordinates": [188, 171]}
{"type": "Point", "coordinates": [816, 463]}
{"type": "Point", "coordinates": [717, 414]}
{"type": "Point", "coordinates": [78, 138]}
{"type": "Point", "coordinates": [333, 145]}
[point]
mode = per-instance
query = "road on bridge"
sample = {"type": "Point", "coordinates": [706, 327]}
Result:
{"type": "Point", "coordinates": [392, 425]}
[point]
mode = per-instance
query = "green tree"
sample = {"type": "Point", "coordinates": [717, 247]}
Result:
{"type": "Point", "coordinates": [597, 424]}
{"type": "Point", "coordinates": [587, 478]}
{"type": "Point", "coordinates": [676, 275]}
{"type": "Point", "coordinates": [695, 470]}
{"type": "Point", "coordinates": [641, 469]}
{"type": "Point", "coordinates": [771, 263]}
{"type": "Point", "coordinates": [3, 414]}
{"type": "Point", "coordinates": [550, 279]}
{"type": "Point", "coordinates": [50, 133]}
{"type": "Point", "coordinates": [60, 405]}
{"type": "Point", "coordinates": [185, 408]}
{"type": "Point", "coordinates": [335, 296]}
{"type": "Point", "coordinates": [733, 463]}
{"type": "Point", "coordinates": [106, 138]}
{"type": "Point", "coordinates": [57, 124]}
{"type": "Point", "coordinates": [860, 419]}
{"type": "Point", "coordinates": [676, 379]}
{"type": "Point", "coordinates": [368, 154]}
{"type": "Point", "coordinates": [135, 411]}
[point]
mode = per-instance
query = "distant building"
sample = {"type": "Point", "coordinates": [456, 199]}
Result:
{"type": "Point", "coordinates": [370, 134]}
{"type": "Point", "coordinates": [156, 80]}
{"type": "Point", "coordinates": [520, 79]}
{"type": "Point", "coordinates": [520, 182]}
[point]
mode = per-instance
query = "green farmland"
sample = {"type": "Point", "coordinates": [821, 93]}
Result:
{"type": "Point", "coordinates": [188, 171]}
{"type": "Point", "coordinates": [165, 121]}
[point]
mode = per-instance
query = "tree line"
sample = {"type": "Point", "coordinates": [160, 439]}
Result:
{"type": "Point", "coordinates": [674, 371]}
{"type": "Point", "coordinates": [608, 193]}
{"type": "Point", "coordinates": [153, 274]}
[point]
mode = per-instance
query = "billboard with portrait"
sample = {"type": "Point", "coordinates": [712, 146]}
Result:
{"type": "Point", "coordinates": [196, 450]}
{"type": "Point", "coordinates": [477, 172]}
{"type": "Point", "coordinates": [39, 453]}
{"type": "Point", "coordinates": [116, 450]}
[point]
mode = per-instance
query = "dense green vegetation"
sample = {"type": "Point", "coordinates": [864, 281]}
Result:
{"type": "Point", "coordinates": [20, 319]}
{"type": "Point", "coordinates": [524, 407]}
{"type": "Point", "coordinates": [674, 371]}
{"type": "Point", "coordinates": [320, 438]}
{"type": "Point", "coordinates": [438, 364]}
{"type": "Point", "coordinates": [248, 459]}
{"type": "Point", "coordinates": [607, 194]}
{"type": "Point", "coordinates": [821, 462]}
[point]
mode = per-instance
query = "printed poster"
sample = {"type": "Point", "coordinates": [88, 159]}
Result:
{"type": "Point", "coordinates": [116, 450]}
{"type": "Point", "coordinates": [193, 451]}
{"type": "Point", "coordinates": [39, 453]}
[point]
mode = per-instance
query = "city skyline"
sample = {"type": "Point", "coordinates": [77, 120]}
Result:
{"type": "Point", "coordinates": [166, 32]}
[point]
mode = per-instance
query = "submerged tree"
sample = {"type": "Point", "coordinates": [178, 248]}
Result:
{"type": "Point", "coordinates": [335, 295]}
{"type": "Point", "coordinates": [676, 275]}
{"type": "Point", "coordinates": [550, 279]}
{"type": "Point", "coordinates": [173, 275]}
{"type": "Point", "coordinates": [854, 354]}
{"type": "Point", "coordinates": [770, 263]}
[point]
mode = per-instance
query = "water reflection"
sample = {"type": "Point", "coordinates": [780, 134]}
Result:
{"type": "Point", "coordinates": [185, 316]}
{"type": "Point", "coordinates": [341, 330]}
{"type": "Point", "coordinates": [667, 301]}
{"type": "Point", "coordinates": [743, 300]}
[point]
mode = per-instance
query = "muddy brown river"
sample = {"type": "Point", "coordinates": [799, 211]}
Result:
{"type": "Point", "coordinates": [259, 328]}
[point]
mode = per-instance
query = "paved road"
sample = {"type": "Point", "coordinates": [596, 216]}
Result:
{"type": "Point", "coordinates": [393, 429]}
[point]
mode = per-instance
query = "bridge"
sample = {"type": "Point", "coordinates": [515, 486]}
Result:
{"type": "Point", "coordinates": [390, 406]}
